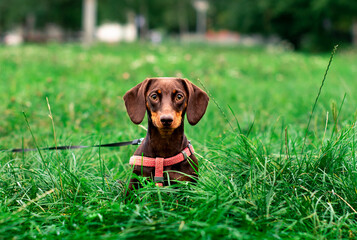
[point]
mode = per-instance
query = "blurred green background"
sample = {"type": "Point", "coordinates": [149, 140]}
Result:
{"type": "Point", "coordinates": [311, 25]}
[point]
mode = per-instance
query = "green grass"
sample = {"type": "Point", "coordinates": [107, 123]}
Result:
{"type": "Point", "coordinates": [254, 181]}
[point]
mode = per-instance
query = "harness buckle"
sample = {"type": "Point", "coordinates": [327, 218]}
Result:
{"type": "Point", "coordinates": [189, 147]}
{"type": "Point", "coordinates": [159, 179]}
{"type": "Point", "coordinates": [184, 155]}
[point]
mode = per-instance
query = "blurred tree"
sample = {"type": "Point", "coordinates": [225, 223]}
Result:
{"type": "Point", "coordinates": [172, 15]}
{"type": "Point", "coordinates": [66, 13]}
{"type": "Point", "coordinates": [308, 24]}
{"type": "Point", "coordinates": [342, 15]}
{"type": "Point", "coordinates": [314, 24]}
{"type": "Point", "coordinates": [114, 10]}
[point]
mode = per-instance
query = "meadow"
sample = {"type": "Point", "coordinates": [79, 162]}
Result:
{"type": "Point", "coordinates": [265, 173]}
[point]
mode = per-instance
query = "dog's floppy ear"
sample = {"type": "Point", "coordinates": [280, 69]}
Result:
{"type": "Point", "coordinates": [135, 101]}
{"type": "Point", "coordinates": [197, 103]}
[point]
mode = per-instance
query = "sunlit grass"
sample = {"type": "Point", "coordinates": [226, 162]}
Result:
{"type": "Point", "coordinates": [254, 182]}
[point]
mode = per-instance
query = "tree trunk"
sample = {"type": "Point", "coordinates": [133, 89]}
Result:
{"type": "Point", "coordinates": [144, 26]}
{"type": "Point", "coordinates": [201, 7]}
{"type": "Point", "coordinates": [182, 17]}
{"type": "Point", "coordinates": [89, 20]}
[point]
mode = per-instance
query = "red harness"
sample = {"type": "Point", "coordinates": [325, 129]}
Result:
{"type": "Point", "coordinates": [159, 163]}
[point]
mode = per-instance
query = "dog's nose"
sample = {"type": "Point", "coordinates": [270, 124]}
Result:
{"type": "Point", "coordinates": [166, 120]}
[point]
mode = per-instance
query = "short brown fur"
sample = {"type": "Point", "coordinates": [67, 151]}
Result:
{"type": "Point", "coordinates": [166, 101]}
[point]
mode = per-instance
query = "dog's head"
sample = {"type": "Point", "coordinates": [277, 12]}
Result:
{"type": "Point", "coordinates": [166, 100]}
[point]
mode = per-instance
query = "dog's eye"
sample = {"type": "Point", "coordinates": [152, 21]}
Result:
{"type": "Point", "coordinates": [154, 97]}
{"type": "Point", "coordinates": [179, 97]}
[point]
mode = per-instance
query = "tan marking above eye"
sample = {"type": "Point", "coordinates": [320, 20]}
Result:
{"type": "Point", "coordinates": [174, 91]}
{"type": "Point", "coordinates": [159, 91]}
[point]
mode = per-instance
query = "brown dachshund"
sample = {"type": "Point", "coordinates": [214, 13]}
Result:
{"type": "Point", "coordinates": [165, 147]}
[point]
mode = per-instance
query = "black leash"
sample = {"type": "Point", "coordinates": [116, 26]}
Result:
{"type": "Point", "coordinates": [117, 144]}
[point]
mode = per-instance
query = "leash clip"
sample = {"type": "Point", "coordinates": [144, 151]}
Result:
{"type": "Point", "coordinates": [138, 141]}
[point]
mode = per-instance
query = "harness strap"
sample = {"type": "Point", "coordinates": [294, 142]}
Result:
{"type": "Point", "coordinates": [159, 163]}
{"type": "Point", "coordinates": [159, 172]}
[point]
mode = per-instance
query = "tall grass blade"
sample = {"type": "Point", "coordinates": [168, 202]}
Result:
{"type": "Point", "coordinates": [317, 98]}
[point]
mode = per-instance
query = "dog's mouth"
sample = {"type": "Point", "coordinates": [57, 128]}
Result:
{"type": "Point", "coordinates": [165, 131]}
{"type": "Point", "coordinates": [167, 128]}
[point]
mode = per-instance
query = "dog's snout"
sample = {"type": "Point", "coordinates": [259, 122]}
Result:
{"type": "Point", "coordinates": [166, 120]}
